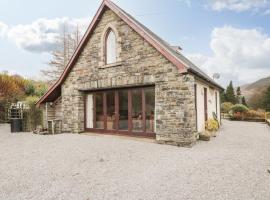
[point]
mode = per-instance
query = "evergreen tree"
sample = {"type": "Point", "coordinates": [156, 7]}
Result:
{"type": "Point", "coordinates": [238, 95]}
{"type": "Point", "coordinates": [230, 94]}
{"type": "Point", "coordinates": [244, 101]}
{"type": "Point", "coordinates": [238, 91]}
{"type": "Point", "coordinates": [223, 97]}
{"type": "Point", "coordinates": [266, 100]}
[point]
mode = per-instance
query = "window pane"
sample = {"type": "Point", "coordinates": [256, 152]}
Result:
{"type": "Point", "coordinates": [111, 110]}
{"type": "Point", "coordinates": [137, 122]}
{"type": "Point", "coordinates": [111, 48]}
{"type": "Point", "coordinates": [99, 111]}
{"type": "Point", "coordinates": [150, 109]}
{"type": "Point", "coordinates": [123, 110]}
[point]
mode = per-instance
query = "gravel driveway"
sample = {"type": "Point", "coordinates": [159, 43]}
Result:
{"type": "Point", "coordinates": [232, 166]}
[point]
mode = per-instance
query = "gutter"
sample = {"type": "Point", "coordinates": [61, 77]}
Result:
{"type": "Point", "coordinates": [206, 79]}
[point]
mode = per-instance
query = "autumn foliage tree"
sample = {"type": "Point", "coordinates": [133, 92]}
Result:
{"type": "Point", "coordinates": [11, 87]}
{"type": "Point", "coordinates": [11, 90]}
{"type": "Point", "coordinates": [14, 88]}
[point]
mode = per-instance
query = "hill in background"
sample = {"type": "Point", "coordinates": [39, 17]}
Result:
{"type": "Point", "coordinates": [254, 91]}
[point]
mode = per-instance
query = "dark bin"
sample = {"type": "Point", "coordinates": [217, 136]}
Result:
{"type": "Point", "coordinates": [16, 125]}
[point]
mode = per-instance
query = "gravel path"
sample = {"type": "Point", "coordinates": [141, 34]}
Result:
{"type": "Point", "coordinates": [232, 166]}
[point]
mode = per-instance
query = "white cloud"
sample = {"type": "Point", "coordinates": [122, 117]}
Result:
{"type": "Point", "coordinates": [3, 29]}
{"type": "Point", "coordinates": [42, 34]}
{"type": "Point", "coordinates": [238, 54]}
{"type": "Point", "coordinates": [238, 5]}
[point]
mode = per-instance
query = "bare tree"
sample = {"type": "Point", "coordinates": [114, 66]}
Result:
{"type": "Point", "coordinates": [66, 45]}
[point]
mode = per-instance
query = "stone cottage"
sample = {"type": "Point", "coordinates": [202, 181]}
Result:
{"type": "Point", "coordinates": [124, 79]}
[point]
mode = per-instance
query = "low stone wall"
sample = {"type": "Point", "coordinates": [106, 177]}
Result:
{"type": "Point", "coordinates": [249, 120]}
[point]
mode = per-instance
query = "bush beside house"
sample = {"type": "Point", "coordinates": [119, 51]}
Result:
{"type": "Point", "coordinates": [15, 89]}
{"type": "Point", "coordinates": [33, 116]}
{"type": "Point", "coordinates": [243, 113]}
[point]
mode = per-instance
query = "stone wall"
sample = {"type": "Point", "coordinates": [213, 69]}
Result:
{"type": "Point", "coordinates": [138, 64]}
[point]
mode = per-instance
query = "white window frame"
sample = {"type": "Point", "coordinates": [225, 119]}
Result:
{"type": "Point", "coordinates": [110, 47]}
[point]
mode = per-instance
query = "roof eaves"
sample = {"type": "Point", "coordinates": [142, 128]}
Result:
{"type": "Point", "coordinates": [209, 80]}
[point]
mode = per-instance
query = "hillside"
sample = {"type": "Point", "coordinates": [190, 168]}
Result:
{"type": "Point", "coordinates": [254, 91]}
{"type": "Point", "coordinates": [265, 82]}
{"type": "Point", "coordinates": [255, 87]}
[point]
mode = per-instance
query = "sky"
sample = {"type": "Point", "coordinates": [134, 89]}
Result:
{"type": "Point", "coordinates": [229, 37]}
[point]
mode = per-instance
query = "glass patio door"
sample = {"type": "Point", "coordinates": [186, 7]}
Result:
{"type": "Point", "coordinates": [137, 110]}
{"type": "Point", "coordinates": [111, 110]}
{"type": "Point", "coordinates": [125, 111]}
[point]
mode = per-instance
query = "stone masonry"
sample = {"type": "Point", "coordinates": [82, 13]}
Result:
{"type": "Point", "coordinates": [138, 63]}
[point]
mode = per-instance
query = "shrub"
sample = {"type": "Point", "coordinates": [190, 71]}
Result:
{"type": "Point", "coordinates": [239, 108]}
{"type": "Point", "coordinates": [267, 114]}
{"type": "Point", "coordinates": [237, 116]}
{"type": "Point", "coordinates": [4, 105]}
{"type": "Point", "coordinates": [33, 114]}
{"type": "Point", "coordinates": [212, 125]}
{"type": "Point", "coordinates": [226, 107]}
{"type": "Point", "coordinates": [253, 114]}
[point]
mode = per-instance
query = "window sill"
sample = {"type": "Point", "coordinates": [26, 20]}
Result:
{"type": "Point", "coordinates": [111, 65]}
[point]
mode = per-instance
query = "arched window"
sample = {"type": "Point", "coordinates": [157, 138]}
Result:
{"type": "Point", "coordinates": [110, 47]}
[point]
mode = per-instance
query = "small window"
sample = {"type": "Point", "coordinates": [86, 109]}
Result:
{"type": "Point", "coordinates": [110, 47]}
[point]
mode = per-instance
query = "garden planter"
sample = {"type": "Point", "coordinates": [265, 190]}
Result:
{"type": "Point", "coordinates": [204, 137]}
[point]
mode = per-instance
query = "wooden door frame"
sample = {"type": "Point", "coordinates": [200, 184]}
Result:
{"type": "Point", "coordinates": [205, 104]}
{"type": "Point", "coordinates": [216, 99]}
{"type": "Point", "coordinates": [196, 104]}
{"type": "Point", "coordinates": [129, 132]}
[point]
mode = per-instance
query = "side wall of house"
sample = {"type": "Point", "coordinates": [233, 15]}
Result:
{"type": "Point", "coordinates": [48, 113]}
{"type": "Point", "coordinates": [139, 64]}
{"type": "Point", "coordinates": [212, 104]}
{"type": "Point", "coordinates": [58, 113]}
{"type": "Point", "coordinates": [53, 111]}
